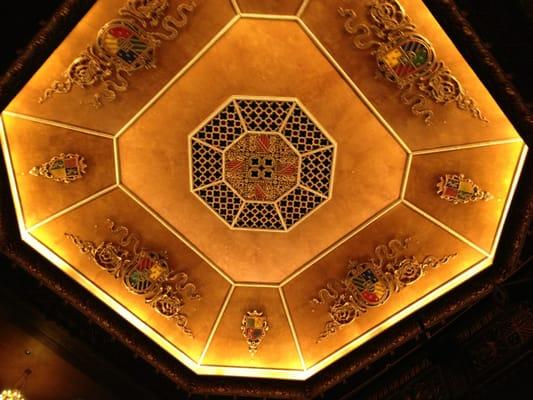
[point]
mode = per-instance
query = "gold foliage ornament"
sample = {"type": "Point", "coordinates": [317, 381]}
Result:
{"type": "Point", "coordinates": [407, 59]}
{"type": "Point", "coordinates": [122, 46]}
{"type": "Point", "coordinates": [63, 168]}
{"type": "Point", "coordinates": [254, 327]}
{"type": "Point", "coordinates": [370, 283]}
{"type": "Point", "coordinates": [458, 189]}
{"type": "Point", "coordinates": [143, 272]}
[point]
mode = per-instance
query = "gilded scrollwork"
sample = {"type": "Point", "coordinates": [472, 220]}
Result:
{"type": "Point", "coordinates": [370, 283]}
{"type": "Point", "coordinates": [143, 272]}
{"type": "Point", "coordinates": [406, 58]}
{"type": "Point", "coordinates": [122, 46]}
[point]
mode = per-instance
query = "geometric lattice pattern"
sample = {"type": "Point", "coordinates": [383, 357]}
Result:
{"type": "Point", "coordinates": [303, 134]}
{"type": "Point", "coordinates": [297, 204]}
{"type": "Point", "coordinates": [223, 129]}
{"type": "Point", "coordinates": [259, 216]}
{"type": "Point", "coordinates": [262, 164]}
{"type": "Point", "coordinates": [207, 165]}
{"type": "Point", "coordinates": [316, 170]}
{"type": "Point", "coordinates": [263, 116]}
{"type": "Point", "coordinates": [221, 198]}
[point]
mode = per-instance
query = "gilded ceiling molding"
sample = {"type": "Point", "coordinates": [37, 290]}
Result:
{"type": "Point", "coordinates": [63, 168]}
{"type": "Point", "coordinates": [458, 189]}
{"type": "Point", "coordinates": [122, 46]}
{"type": "Point", "coordinates": [407, 59]}
{"type": "Point", "coordinates": [143, 272]}
{"type": "Point", "coordinates": [254, 327]}
{"type": "Point", "coordinates": [370, 283]}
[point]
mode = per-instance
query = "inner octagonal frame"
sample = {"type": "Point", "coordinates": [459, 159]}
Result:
{"type": "Point", "coordinates": [28, 238]}
{"type": "Point", "coordinates": [234, 99]}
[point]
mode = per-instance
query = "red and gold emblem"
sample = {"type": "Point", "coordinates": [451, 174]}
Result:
{"type": "Point", "coordinates": [458, 189]}
{"type": "Point", "coordinates": [369, 285]}
{"type": "Point", "coordinates": [407, 59]}
{"type": "Point", "coordinates": [127, 45]}
{"type": "Point", "coordinates": [63, 168]}
{"type": "Point", "coordinates": [254, 327]}
{"type": "Point", "coordinates": [148, 269]}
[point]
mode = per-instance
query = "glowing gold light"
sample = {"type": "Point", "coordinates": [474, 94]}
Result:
{"type": "Point", "coordinates": [11, 394]}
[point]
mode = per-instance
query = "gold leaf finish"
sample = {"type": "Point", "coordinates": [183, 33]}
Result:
{"type": "Point", "coordinates": [407, 59]}
{"type": "Point", "coordinates": [122, 47]}
{"type": "Point", "coordinates": [158, 165]}
{"type": "Point", "coordinates": [369, 283]}
{"type": "Point", "coordinates": [143, 272]}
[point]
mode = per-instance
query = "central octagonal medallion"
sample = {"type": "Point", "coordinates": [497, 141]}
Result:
{"type": "Point", "coordinates": [261, 164]}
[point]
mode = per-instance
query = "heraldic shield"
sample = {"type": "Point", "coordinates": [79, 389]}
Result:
{"type": "Point", "coordinates": [63, 168]}
{"type": "Point", "coordinates": [406, 59]}
{"type": "Point", "coordinates": [147, 271]}
{"type": "Point", "coordinates": [126, 45]}
{"type": "Point", "coordinates": [254, 327]}
{"type": "Point", "coordinates": [369, 285]}
{"type": "Point", "coordinates": [459, 189]}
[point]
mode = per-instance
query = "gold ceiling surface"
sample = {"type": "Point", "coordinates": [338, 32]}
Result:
{"type": "Point", "coordinates": [261, 186]}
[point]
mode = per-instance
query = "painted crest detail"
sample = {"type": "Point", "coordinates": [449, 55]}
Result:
{"type": "Point", "coordinates": [458, 189]}
{"type": "Point", "coordinates": [143, 272]}
{"type": "Point", "coordinates": [64, 168]}
{"type": "Point", "coordinates": [261, 167]}
{"type": "Point", "coordinates": [261, 164]}
{"type": "Point", "coordinates": [254, 327]}
{"type": "Point", "coordinates": [407, 59]}
{"type": "Point", "coordinates": [370, 284]}
{"type": "Point", "coordinates": [122, 46]}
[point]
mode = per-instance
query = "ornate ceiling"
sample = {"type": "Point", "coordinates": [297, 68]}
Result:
{"type": "Point", "coordinates": [261, 187]}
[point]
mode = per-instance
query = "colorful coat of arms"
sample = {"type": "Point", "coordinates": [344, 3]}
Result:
{"type": "Point", "coordinates": [63, 168]}
{"type": "Point", "coordinates": [123, 46]}
{"type": "Point", "coordinates": [254, 327]}
{"type": "Point", "coordinates": [458, 189]}
{"type": "Point", "coordinates": [148, 269]}
{"type": "Point", "coordinates": [143, 272]}
{"type": "Point", "coordinates": [406, 59]}
{"type": "Point", "coordinates": [369, 284]}
{"type": "Point", "coordinates": [126, 44]}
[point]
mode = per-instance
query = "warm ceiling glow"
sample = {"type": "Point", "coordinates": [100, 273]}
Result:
{"type": "Point", "coordinates": [255, 162]}
{"type": "Point", "coordinates": [11, 394]}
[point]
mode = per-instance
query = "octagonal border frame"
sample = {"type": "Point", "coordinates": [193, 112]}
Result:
{"type": "Point", "coordinates": [296, 102]}
{"type": "Point", "coordinates": [16, 253]}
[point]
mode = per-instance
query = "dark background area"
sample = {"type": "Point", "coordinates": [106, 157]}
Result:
{"type": "Point", "coordinates": [484, 352]}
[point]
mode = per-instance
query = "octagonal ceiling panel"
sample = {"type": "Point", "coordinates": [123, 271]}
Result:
{"type": "Point", "coordinates": [136, 199]}
{"type": "Point", "coordinates": [189, 104]}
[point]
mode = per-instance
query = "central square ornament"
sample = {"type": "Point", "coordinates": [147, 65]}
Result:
{"type": "Point", "coordinates": [261, 164]}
